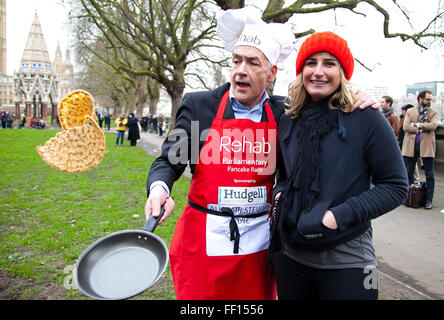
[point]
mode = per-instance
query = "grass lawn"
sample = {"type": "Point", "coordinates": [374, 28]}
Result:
{"type": "Point", "coordinates": [48, 217]}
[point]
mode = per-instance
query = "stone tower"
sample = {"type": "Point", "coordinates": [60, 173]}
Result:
{"type": "Point", "coordinates": [36, 82]}
{"type": "Point", "coordinates": [64, 71]}
{"type": "Point", "coordinates": [3, 65]}
{"type": "Point", "coordinates": [35, 55]}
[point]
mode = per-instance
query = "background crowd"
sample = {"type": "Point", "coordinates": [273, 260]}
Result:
{"type": "Point", "coordinates": [151, 123]}
{"type": "Point", "coordinates": [415, 131]}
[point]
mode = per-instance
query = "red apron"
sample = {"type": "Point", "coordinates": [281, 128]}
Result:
{"type": "Point", "coordinates": [220, 243]}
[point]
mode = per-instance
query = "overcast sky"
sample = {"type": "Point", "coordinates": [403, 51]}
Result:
{"type": "Point", "coordinates": [396, 63]}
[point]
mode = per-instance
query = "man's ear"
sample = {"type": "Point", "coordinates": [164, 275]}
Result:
{"type": "Point", "coordinates": [272, 75]}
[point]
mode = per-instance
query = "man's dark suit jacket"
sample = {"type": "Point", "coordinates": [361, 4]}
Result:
{"type": "Point", "coordinates": [202, 107]}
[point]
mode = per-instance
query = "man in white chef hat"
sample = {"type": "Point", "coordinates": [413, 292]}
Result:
{"type": "Point", "coordinates": [219, 247]}
{"type": "Point", "coordinates": [256, 48]}
{"type": "Point", "coordinates": [213, 255]}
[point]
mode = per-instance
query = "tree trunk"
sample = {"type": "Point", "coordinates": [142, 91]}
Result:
{"type": "Point", "coordinates": [153, 94]}
{"type": "Point", "coordinates": [153, 101]}
{"type": "Point", "coordinates": [176, 100]}
{"type": "Point", "coordinates": [140, 97]}
{"type": "Point", "coordinates": [117, 108]}
{"type": "Point", "coordinates": [176, 91]}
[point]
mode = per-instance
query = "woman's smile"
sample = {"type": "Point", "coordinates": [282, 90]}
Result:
{"type": "Point", "coordinates": [321, 75]}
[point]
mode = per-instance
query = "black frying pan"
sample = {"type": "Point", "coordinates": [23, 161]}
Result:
{"type": "Point", "coordinates": [122, 264]}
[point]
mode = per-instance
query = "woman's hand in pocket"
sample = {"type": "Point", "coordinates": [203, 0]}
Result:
{"type": "Point", "coordinates": [329, 220]}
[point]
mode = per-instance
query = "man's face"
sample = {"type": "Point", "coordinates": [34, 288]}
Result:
{"type": "Point", "coordinates": [427, 101]}
{"type": "Point", "coordinates": [384, 104]}
{"type": "Point", "coordinates": [249, 75]}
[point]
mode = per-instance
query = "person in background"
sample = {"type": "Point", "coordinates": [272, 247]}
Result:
{"type": "Point", "coordinates": [420, 124]}
{"type": "Point", "coordinates": [161, 123]}
{"type": "Point", "coordinates": [101, 118]}
{"type": "Point", "coordinates": [154, 128]}
{"type": "Point", "coordinates": [387, 110]}
{"type": "Point", "coordinates": [321, 235]}
{"type": "Point", "coordinates": [133, 129]}
{"type": "Point", "coordinates": [121, 122]}
{"type": "Point", "coordinates": [22, 122]}
{"type": "Point", "coordinates": [10, 120]}
{"type": "Point", "coordinates": [3, 119]}
{"type": "Point", "coordinates": [107, 122]}
{"type": "Point", "coordinates": [401, 123]}
{"type": "Point", "coordinates": [402, 134]}
{"type": "Point", "coordinates": [144, 123]}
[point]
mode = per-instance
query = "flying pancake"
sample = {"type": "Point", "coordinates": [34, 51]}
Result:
{"type": "Point", "coordinates": [76, 149]}
{"type": "Point", "coordinates": [74, 107]}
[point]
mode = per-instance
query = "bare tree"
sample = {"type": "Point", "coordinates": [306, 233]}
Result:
{"type": "Point", "coordinates": [171, 42]}
{"type": "Point", "coordinates": [280, 11]}
{"type": "Point", "coordinates": [161, 33]}
{"type": "Point", "coordinates": [277, 11]}
{"type": "Point", "coordinates": [108, 86]}
{"type": "Point", "coordinates": [96, 52]}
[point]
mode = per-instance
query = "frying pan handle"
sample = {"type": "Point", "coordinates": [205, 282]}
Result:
{"type": "Point", "coordinates": [151, 223]}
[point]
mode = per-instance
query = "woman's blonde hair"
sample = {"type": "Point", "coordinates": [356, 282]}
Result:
{"type": "Point", "coordinates": [342, 98]}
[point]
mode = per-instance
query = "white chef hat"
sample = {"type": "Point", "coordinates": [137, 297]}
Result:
{"type": "Point", "coordinates": [237, 27]}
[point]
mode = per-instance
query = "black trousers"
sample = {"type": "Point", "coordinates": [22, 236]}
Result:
{"type": "Point", "coordinates": [429, 163]}
{"type": "Point", "coordinates": [296, 281]}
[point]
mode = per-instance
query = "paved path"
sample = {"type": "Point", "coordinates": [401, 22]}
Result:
{"type": "Point", "coordinates": [409, 243]}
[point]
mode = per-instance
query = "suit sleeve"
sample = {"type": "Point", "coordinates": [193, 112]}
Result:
{"type": "Point", "coordinates": [176, 148]}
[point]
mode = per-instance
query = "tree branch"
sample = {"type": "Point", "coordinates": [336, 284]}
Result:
{"type": "Point", "coordinates": [282, 14]}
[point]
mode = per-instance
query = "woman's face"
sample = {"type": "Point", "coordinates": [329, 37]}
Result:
{"type": "Point", "coordinates": [321, 75]}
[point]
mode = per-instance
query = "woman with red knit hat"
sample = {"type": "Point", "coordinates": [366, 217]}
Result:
{"type": "Point", "coordinates": [321, 235]}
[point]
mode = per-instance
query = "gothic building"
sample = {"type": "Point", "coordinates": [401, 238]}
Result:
{"type": "Point", "coordinates": [37, 87]}
{"type": "Point", "coordinates": [35, 83]}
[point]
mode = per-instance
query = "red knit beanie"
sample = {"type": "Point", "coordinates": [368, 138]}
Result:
{"type": "Point", "coordinates": [330, 42]}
